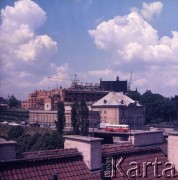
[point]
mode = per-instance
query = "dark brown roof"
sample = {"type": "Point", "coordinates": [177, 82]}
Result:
{"type": "Point", "coordinates": [65, 163]}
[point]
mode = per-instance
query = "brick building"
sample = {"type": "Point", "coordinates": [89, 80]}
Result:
{"type": "Point", "coordinates": [37, 99]}
{"type": "Point", "coordinates": [90, 92]}
{"type": "Point", "coordinates": [47, 100]}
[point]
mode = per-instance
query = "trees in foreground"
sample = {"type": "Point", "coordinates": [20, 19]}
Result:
{"type": "Point", "coordinates": [60, 123]}
{"type": "Point", "coordinates": [34, 142]}
{"type": "Point", "coordinates": [79, 118]}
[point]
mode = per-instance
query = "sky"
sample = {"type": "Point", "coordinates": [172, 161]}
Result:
{"type": "Point", "coordinates": [93, 39]}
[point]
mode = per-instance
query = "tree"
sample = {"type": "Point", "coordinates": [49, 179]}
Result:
{"type": "Point", "coordinates": [135, 95]}
{"type": "Point", "coordinates": [74, 118]}
{"type": "Point", "coordinates": [158, 108]}
{"type": "Point", "coordinates": [60, 123]}
{"type": "Point", "coordinates": [154, 105]}
{"type": "Point", "coordinates": [79, 118]}
{"type": "Point", "coordinates": [13, 102]}
{"type": "Point", "coordinates": [15, 132]}
{"type": "Point", "coordinates": [84, 111]}
{"type": "Point", "coordinates": [49, 141]}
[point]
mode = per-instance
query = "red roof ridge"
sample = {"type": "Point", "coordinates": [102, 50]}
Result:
{"type": "Point", "coordinates": [126, 149]}
{"type": "Point", "coordinates": [55, 153]}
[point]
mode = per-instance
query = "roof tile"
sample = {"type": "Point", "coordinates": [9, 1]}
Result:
{"type": "Point", "coordinates": [66, 163]}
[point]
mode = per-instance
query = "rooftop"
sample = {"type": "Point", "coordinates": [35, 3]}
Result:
{"type": "Point", "coordinates": [5, 142]}
{"type": "Point", "coordinates": [115, 99]}
{"type": "Point", "coordinates": [82, 138]}
{"type": "Point", "coordinates": [65, 163]}
{"type": "Point", "coordinates": [138, 155]}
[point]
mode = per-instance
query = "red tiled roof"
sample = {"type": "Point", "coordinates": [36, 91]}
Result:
{"type": "Point", "coordinates": [140, 155]}
{"type": "Point", "coordinates": [65, 163]}
{"type": "Point", "coordinates": [116, 148]}
{"type": "Point", "coordinates": [141, 159]}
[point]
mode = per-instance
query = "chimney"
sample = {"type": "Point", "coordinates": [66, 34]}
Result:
{"type": "Point", "coordinates": [173, 148]}
{"type": "Point", "coordinates": [7, 149]}
{"type": "Point", "coordinates": [89, 147]}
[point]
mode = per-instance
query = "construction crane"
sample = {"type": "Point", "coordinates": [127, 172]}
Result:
{"type": "Point", "coordinates": [129, 83]}
{"type": "Point", "coordinates": [76, 84]}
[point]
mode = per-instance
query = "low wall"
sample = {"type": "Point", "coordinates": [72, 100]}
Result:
{"type": "Point", "coordinates": [145, 138]}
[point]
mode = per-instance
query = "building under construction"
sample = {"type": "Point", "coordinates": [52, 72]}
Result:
{"type": "Point", "coordinates": [90, 92]}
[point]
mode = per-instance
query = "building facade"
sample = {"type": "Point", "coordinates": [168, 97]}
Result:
{"type": "Point", "coordinates": [116, 108]}
{"type": "Point", "coordinates": [78, 91]}
{"type": "Point", "coordinates": [47, 100]}
{"type": "Point", "coordinates": [48, 118]}
{"type": "Point", "coordinates": [37, 99]}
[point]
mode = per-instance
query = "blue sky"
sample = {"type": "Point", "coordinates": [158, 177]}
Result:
{"type": "Point", "coordinates": [93, 39]}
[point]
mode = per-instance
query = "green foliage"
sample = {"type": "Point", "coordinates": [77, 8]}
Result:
{"type": "Point", "coordinates": [4, 130]}
{"type": "Point", "coordinates": [79, 118]}
{"type": "Point", "coordinates": [157, 108]}
{"type": "Point", "coordinates": [60, 123]}
{"type": "Point", "coordinates": [135, 95]}
{"type": "Point", "coordinates": [23, 143]}
{"type": "Point", "coordinates": [84, 111]}
{"type": "Point", "coordinates": [38, 142]}
{"type": "Point", "coordinates": [49, 141]}
{"type": "Point", "coordinates": [34, 139]}
{"type": "Point", "coordinates": [15, 132]}
{"type": "Point", "coordinates": [74, 118]}
{"type": "Point", "coordinates": [13, 102]}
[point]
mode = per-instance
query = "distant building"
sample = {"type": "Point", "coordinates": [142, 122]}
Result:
{"type": "Point", "coordinates": [90, 92]}
{"type": "Point", "coordinates": [3, 104]}
{"type": "Point", "coordinates": [43, 117]}
{"type": "Point", "coordinates": [14, 115]}
{"type": "Point", "coordinates": [47, 100]}
{"type": "Point", "coordinates": [116, 86]}
{"type": "Point", "coordinates": [116, 108]}
{"type": "Point", "coordinates": [37, 99]}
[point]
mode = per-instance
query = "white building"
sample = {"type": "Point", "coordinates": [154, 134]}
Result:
{"type": "Point", "coordinates": [116, 108]}
{"type": "Point", "coordinates": [49, 117]}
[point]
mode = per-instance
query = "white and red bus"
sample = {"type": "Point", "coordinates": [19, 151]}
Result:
{"type": "Point", "coordinates": [117, 128]}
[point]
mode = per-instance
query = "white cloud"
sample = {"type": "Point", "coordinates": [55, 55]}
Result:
{"type": "Point", "coordinates": [134, 44]}
{"type": "Point", "coordinates": [149, 10]}
{"type": "Point", "coordinates": [120, 34]}
{"type": "Point", "coordinates": [59, 76]}
{"type": "Point", "coordinates": [36, 48]}
{"type": "Point", "coordinates": [132, 38]}
{"type": "Point", "coordinates": [102, 73]}
{"type": "Point", "coordinates": [25, 55]}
